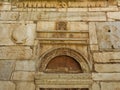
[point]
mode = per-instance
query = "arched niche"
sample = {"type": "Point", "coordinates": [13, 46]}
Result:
{"type": "Point", "coordinates": [63, 64]}
{"type": "Point", "coordinates": [80, 59]}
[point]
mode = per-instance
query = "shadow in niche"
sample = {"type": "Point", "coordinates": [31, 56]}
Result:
{"type": "Point", "coordinates": [63, 89]}
{"type": "Point", "coordinates": [63, 64]}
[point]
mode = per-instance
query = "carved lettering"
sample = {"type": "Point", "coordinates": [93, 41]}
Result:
{"type": "Point", "coordinates": [61, 4]}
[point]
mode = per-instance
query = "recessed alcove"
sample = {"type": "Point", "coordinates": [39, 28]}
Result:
{"type": "Point", "coordinates": [63, 69]}
{"type": "Point", "coordinates": [63, 64]}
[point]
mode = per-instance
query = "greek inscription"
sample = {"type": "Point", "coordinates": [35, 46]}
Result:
{"type": "Point", "coordinates": [60, 4]}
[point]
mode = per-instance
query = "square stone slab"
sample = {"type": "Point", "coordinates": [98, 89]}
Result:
{"type": "Point", "coordinates": [108, 35]}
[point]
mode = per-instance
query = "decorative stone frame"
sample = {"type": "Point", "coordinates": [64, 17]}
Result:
{"type": "Point", "coordinates": [58, 80]}
{"type": "Point", "coordinates": [79, 57]}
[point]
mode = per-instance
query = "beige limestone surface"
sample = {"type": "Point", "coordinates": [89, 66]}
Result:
{"type": "Point", "coordinates": [28, 32]}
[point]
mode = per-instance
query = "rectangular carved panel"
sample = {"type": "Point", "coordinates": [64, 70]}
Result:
{"type": "Point", "coordinates": [61, 25]}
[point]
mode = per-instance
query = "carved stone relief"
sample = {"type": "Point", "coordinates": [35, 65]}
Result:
{"type": "Point", "coordinates": [61, 25]}
{"type": "Point", "coordinates": [12, 34]}
{"type": "Point", "coordinates": [46, 58]}
{"type": "Point", "coordinates": [19, 35]}
{"type": "Point", "coordinates": [61, 3]}
{"type": "Point", "coordinates": [108, 35]}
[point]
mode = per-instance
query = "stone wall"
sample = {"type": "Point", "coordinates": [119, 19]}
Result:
{"type": "Point", "coordinates": [26, 34]}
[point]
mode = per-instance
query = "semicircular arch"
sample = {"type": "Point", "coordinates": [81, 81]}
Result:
{"type": "Point", "coordinates": [45, 58]}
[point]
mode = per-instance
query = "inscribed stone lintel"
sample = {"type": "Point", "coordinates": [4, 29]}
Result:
{"type": "Point", "coordinates": [62, 3]}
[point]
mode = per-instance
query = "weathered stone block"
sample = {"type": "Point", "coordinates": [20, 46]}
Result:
{"type": "Point", "coordinates": [112, 2]}
{"type": "Point", "coordinates": [45, 25]}
{"type": "Point", "coordinates": [110, 8]}
{"type": "Point", "coordinates": [113, 15]}
{"type": "Point", "coordinates": [73, 9]}
{"type": "Point", "coordinates": [25, 65]}
{"type": "Point", "coordinates": [95, 86]}
{"type": "Point", "coordinates": [76, 26]}
{"type": "Point", "coordinates": [71, 26]}
{"type": "Point", "coordinates": [9, 16]}
{"type": "Point", "coordinates": [92, 33]}
{"type": "Point", "coordinates": [16, 52]}
{"type": "Point", "coordinates": [23, 76]}
{"type": "Point", "coordinates": [82, 76]}
{"type": "Point", "coordinates": [107, 67]}
{"type": "Point", "coordinates": [7, 85]}
{"type": "Point", "coordinates": [118, 2]}
{"type": "Point", "coordinates": [5, 6]}
{"type": "Point", "coordinates": [12, 34]}
{"type": "Point", "coordinates": [63, 16]}
{"type": "Point", "coordinates": [93, 16]}
{"type": "Point", "coordinates": [6, 69]}
{"type": "Point", "coordinates": [31, 15]}
{"type": "Point", "coordinates": [106, 76]}
{"type": "Point", "coordinates": [108, 35]}
{"type": "Point", "coordinates": [106, 57]}
{"type": "Point", "coordinates": [94, 47]}
{"type": "Point", "coordinates": [25, 86]}
{"type": "Point", "coordinates": [70, 36]}
{"type": "Point", "coordinates": [110, 85]}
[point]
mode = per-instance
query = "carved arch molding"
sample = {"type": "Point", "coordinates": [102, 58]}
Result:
{"type": "Point", "coordinates": [47, 57]}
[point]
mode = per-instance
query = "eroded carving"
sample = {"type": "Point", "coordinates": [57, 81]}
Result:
{"type": "Point", "coordinates": [108, 35]}
{"type": "Point", "coordinates": [46, 58]}
{"type": "Point", "coordinates": [61, 25]}
{"type": "Point", "coordinates": [61, 3]}
{"type": "Point", "coordinates": [14, 16]}
{"type": "Point", "coordinates": [19, 36]}
{"type": "Point", "coordinates": [17, 33]}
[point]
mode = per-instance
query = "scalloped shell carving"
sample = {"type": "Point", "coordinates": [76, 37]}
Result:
{"type": "Point", "coordinates": [19, 36]}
